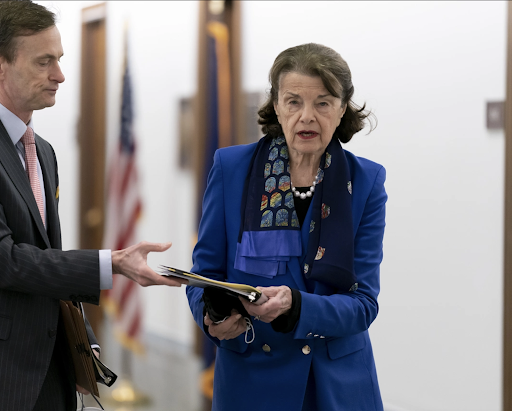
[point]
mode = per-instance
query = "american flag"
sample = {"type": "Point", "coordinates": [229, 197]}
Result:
{"type": "Point", "coordinates": [123, 210]}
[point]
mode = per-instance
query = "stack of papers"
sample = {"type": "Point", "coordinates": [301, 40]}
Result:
{"type": "Point", "coordinates": [243, 290]}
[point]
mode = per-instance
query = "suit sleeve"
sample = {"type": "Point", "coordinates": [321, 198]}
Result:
{"type": "Point", "coordinates": [209, 256]}
{"type": "Point", "coordinates": [341, 315]}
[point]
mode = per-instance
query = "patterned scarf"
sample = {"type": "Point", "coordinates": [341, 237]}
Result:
{"type": "Point", "coordinates": [270, 233]}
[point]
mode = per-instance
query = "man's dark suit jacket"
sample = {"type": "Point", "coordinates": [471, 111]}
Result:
{"type": "Point", "coordinates": [34, 274]}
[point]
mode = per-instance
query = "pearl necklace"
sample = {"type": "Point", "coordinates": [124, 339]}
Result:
{"type": "Point", "coordinates": [308, 193]}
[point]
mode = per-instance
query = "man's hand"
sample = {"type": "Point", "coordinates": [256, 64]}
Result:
{"type": "Point", "coordinates": [132, 263]}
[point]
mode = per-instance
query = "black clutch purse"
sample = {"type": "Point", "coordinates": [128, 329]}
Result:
{"type": "Point", "coordinates": [218, 303]}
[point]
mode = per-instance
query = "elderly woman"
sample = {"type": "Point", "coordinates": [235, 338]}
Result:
{"type": "Point", "coordinates": [303, 219]}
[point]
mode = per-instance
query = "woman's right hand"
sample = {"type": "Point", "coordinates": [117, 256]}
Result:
{"type": "Point", "coordinates": [230, 328]}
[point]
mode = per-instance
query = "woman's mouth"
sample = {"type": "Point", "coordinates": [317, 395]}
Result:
{"type": "Point", "coordinates": [306, 134]}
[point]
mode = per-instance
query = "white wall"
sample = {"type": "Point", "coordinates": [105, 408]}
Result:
{"type": "Point", "coordinates": [59, 123]}
{"type": "Point", "coordinates": [426, 69]}
{"type": "Point", "coordinates": [163, 39]}
{"type": "Point", "coordinates": [163, 55]}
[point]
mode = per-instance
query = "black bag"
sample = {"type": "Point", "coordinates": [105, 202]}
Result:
{"type": "Point", "coordinates": [218, 304]}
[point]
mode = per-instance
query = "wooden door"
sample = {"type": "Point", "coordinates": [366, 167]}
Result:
{"type": "Point", "coordinates": [91, 137]}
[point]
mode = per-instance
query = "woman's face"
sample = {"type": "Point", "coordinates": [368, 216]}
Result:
{"type": "Point", "coordinates": [307, 112]}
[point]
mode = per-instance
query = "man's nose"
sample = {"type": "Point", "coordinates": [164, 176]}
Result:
{"type": "Point", "coordinates": [57, 74]}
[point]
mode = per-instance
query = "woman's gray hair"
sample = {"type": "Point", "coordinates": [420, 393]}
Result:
{"type": "Point", "coordinates": [315, 60]}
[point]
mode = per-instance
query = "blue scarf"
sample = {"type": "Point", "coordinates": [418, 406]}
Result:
{"type": "Point", "coordinates": [269, 231]}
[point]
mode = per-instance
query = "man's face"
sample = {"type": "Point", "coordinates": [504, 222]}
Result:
{"type": "Point", "coordinates": [31, 81]}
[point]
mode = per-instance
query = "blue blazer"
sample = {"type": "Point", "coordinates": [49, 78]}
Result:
{"type": "Point", "coordinates": [333, 326]}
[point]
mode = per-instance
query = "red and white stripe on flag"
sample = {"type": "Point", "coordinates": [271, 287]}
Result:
{"type": "Point", "coordinates": [123, 210]}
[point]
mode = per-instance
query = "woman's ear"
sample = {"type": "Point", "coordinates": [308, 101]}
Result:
{"type": "Point", "coordinates": [343, 111]}
{"type": "Point", "coordinates": [342, 114]}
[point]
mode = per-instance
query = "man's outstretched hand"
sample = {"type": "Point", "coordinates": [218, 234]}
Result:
{"type": "Point", "coordinates": [132, 263]}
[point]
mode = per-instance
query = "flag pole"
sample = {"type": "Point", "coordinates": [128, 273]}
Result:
{"type": "Point", "coordinates": [123, 301]}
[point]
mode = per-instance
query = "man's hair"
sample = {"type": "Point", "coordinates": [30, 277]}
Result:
{"type": "Point", "coordinates": [21, 18]}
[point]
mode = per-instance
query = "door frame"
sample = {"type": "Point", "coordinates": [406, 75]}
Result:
{"type": "Point", "coordinates": [507, 281]}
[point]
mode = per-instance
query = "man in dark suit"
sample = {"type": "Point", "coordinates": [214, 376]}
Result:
{"type": "Point", "coordinates": [35, 372]}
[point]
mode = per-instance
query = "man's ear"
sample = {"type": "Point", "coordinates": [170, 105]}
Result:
{"type": "Point", "coordinates": [3, 63]}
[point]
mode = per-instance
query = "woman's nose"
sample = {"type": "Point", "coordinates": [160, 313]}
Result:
{"type": "Point", "coordinates": [307, 115]}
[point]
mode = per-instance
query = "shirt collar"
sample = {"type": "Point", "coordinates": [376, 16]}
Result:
{"type": "Point", "coordinates": [13, 124]}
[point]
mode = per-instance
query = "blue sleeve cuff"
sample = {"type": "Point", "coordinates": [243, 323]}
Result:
{"type": "Point", "coordinates": [105, 269]}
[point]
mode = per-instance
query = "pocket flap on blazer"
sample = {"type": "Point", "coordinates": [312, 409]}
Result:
{"type": "Point", "coordinates": [5, 327]}
{"type": "Point", "coordinates": [236, 344]}
{"type": "Point", "coordinates": [340, 347]}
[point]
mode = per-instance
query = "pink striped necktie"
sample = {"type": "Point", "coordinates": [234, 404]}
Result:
{"type": "Point", "coordinates": [31, 168]}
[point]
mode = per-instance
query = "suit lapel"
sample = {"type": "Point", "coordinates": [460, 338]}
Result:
{"type": "Point", "coordinates": [11, 162]}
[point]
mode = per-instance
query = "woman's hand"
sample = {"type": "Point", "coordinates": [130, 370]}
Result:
{"type": "Point", "coordinates": [230, 328]}
{"type": "Point", "coordinates": [279, 302]}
